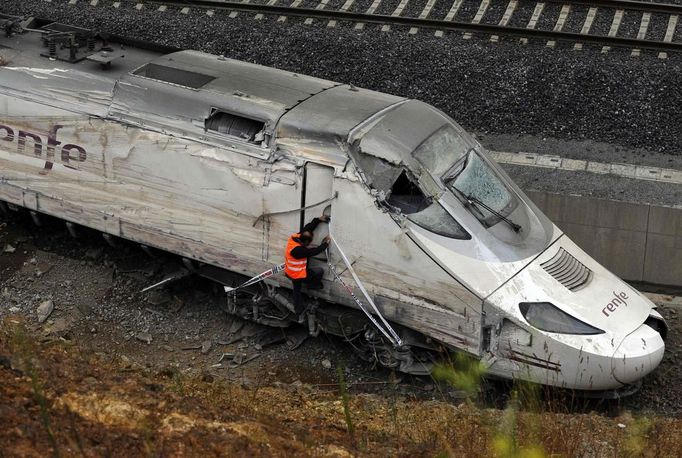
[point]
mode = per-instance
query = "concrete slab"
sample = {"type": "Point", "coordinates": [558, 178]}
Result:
{"type": "Point", "coordinates": [648, 173]}
{"type": "Point", "coordinates": [663, 264]}
{"type": "Point", "coordinates": [626, 170]}
{"type": "Point", "coordinates": [619, 250]}
{"type": "Point", "coordinates": [598, 167]}
{"type": "Point", "coordinates": [573, 164]}
{"type": "Point", "coordinates": [594, 212]}
{"type": "Point", "coordinates": [673, 176]}
{"type": "Point", "coordinates": [665, 221]}
{"type": "Point", "coordinates": [548, 161]}
{"type": "Point", "coordinates": [524, 158]}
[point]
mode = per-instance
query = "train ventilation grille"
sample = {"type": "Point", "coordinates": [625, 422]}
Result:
{"type": "Point", "coordinates": [567, 270]}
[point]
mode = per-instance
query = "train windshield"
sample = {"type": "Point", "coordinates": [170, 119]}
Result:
{"type": "Point", "coordinates": [395, 150]}
{"type": "Point", "coordinates": [402, 194]}
{"type": "Point", "coordinates": [474, 182]}
{"type": "Point", "coordinates": [452, 156]}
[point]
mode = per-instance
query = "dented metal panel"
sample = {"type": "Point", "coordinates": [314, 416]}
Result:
{"type": "Point", "coordinates": [395, 136]}
{"type": "Point", "coordinates": [81, 87]}
{"type": "Point", "coordinates": [320, 125]}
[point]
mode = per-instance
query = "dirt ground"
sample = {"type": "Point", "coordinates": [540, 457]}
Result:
{"type": "Point", "coordinates": [160, 372]}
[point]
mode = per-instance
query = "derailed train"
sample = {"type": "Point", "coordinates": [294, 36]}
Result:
{"type": "Point", "coordinates": [219, 161]}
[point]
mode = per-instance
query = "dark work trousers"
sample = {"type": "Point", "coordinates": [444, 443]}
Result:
{"type": "Point", "coordinates": [313, 279]}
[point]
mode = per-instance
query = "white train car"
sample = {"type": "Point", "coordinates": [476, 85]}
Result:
{"type": "Point", "coordinates": [219, 161]}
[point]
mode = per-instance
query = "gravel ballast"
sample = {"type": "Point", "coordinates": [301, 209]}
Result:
{"type": "Point", "coordinates": [440, 9]}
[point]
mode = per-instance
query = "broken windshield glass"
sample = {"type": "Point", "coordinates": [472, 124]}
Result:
{"type": "Point", "coordinates": [441, 149]}
{"type": "Point", "coordinates": [436, 219]}
{"type": "Point", "coordinates": [422, 210]}
{"type": "Point", "coordinates": [407, 196]}
{"type": "Point", "coordinates": [473, 179]}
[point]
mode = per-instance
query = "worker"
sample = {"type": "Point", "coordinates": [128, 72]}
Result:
{"type": "Point", "coordinates": [296, 260]}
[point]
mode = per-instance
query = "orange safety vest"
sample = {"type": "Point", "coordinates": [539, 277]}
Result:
{"type": "Point", "coordinates": [294, 268]}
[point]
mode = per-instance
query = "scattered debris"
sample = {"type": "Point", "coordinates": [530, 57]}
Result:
{"type": "Point", "coordinates": [156, 312]}
{"type": "Point", "coordinates": [168, 348]}
{"type": "Point", "coordinates": [326, 363]}
{"type": "Point", "coordinates": [206, 347]}
{"type": "Point", "coordinates": [9, 249]}
{"type": "Point", "coordinates": [236, 326]}
{"type": "Point", "coordinates": [93, 254]}
{"type": "Point", "coordinates": [144, 337]}
{"type": "Point", "coordinates": [231, 340]}
{"type": "Point", "coordinates": [44, 310]}
{"type": "Point", "coordinates": [250, 329]}
{"type": "Point", "coordinates": [60, 326]}
{"type": "Point", "coordinates": [177, 275]}
{"type": "Point", "coordinates": [191, 347]}
{"type": "Point", "coordinates": [269, 337]}
{"type": "Point", "coordinates": [225, 356]}
{"type": "Point", "coordinates": [241, 359]}
{"type": "Point", "coordinates": [296, 337]}
{"type": "Point", "coordinates": [84, 308]}
{"type": "Point", "coordinates": [158, 297]}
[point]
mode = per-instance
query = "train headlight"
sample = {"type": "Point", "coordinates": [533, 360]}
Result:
{"type": "Point", "coordinates": [547, 317]}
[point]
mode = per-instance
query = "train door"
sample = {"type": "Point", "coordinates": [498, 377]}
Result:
{"type": "Point", "coordinates": [316, 200]}
{"type": "Point", "coordinates": [285, 198]}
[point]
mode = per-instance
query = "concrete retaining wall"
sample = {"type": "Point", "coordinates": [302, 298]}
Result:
{"type": "Point", "coordinates": [638, 242]}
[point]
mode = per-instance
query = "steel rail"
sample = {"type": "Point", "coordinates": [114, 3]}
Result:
{"type": "Point", "coordinates": [632, 5]}
{"type": "Point", "coordinates": [636, 5]}
{"type": "Point", "coordinates": [439, 24]}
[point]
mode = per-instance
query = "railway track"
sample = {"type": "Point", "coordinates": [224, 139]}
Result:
{"type": "Point", "coordinates": [603, 23]}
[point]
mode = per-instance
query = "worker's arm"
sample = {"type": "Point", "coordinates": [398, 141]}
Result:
{"type": "Point", "coordinates": [301, 252]}
{"type": "Point", "coordinates": [311, 226]}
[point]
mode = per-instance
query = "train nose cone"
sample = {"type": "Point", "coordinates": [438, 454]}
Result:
{"type": "Point", "coordinates": [639, 353]}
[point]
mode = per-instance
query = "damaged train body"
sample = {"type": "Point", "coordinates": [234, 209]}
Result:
{"type": "Point", "coordinates": [219, 161]}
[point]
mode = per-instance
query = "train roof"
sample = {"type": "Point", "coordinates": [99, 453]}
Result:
{"type": "Point", "coordinates": [186, 93]}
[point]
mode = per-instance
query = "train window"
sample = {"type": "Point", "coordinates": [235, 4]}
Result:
{"type": "Point", "coordinates": [436, 219]}
{"type": "Point", "coordinates": [422, 210]}
{"type": "Point", "coordinates": [441, 149]}
{"type": "Point", "coordinates": [172, 75]}
{"type": "Point", "coordinates": [246, 129]}
{"type": "Point", "coordinates": [473, 179]}
{"type": "Point", "coordinates": [407, 196]}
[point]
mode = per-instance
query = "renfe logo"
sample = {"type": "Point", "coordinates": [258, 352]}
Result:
{"type": "Point", "coordinates": [618, 300]}
{"type": "Point", "coordinates": [67, 153]}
